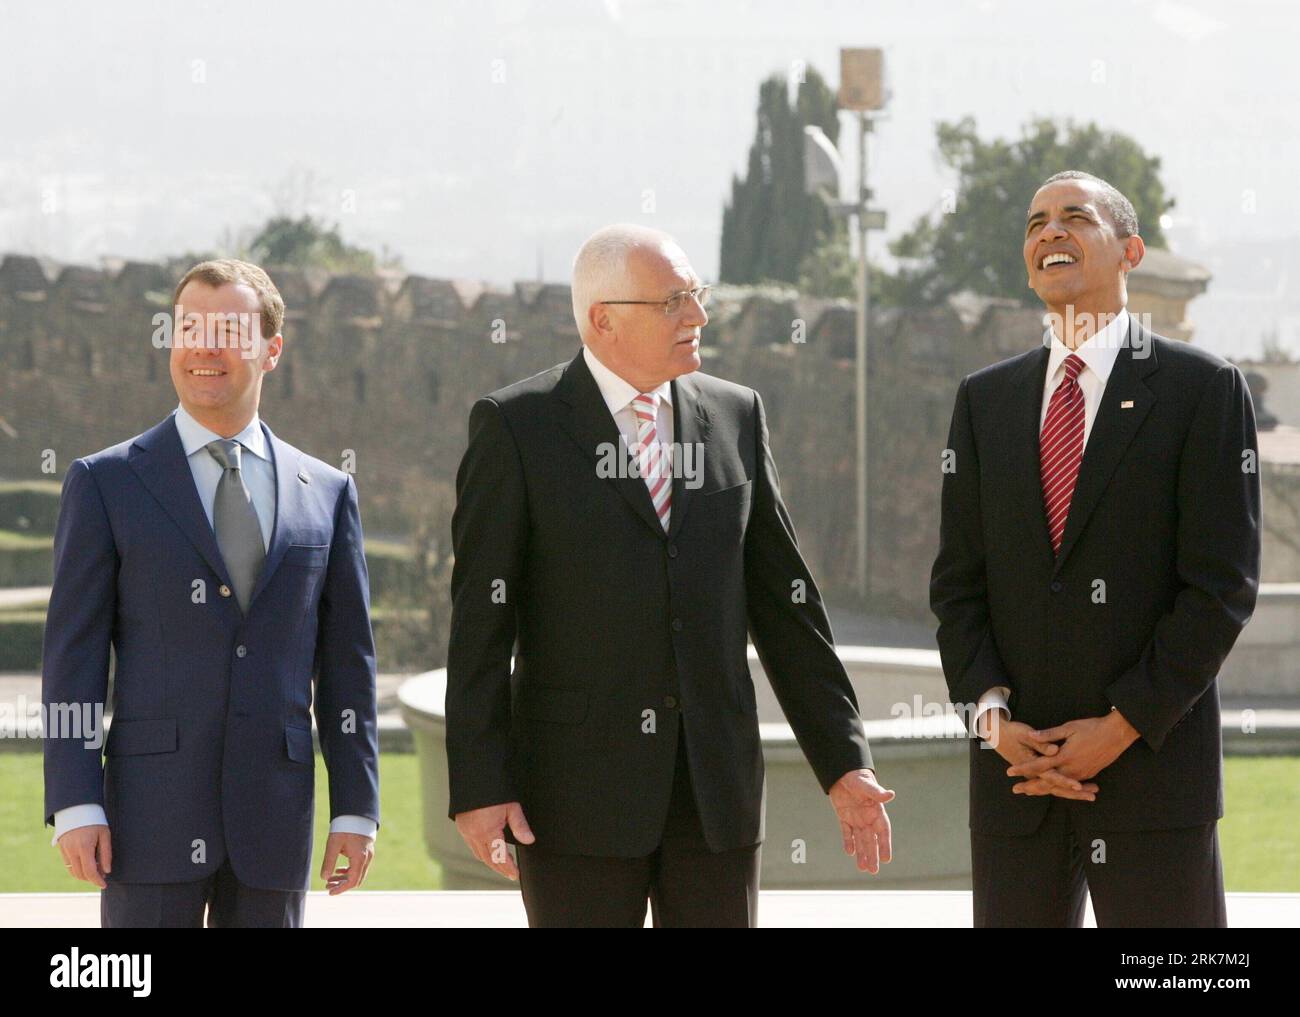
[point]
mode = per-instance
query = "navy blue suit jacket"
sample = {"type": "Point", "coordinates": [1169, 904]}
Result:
{"type": "Point", "coordinates": [210, 749]}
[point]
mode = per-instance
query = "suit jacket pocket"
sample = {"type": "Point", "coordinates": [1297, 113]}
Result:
{"type": "Point", "coordinates": [552, 704]}
{"type": "Point", "coordinates": [723, 473]}
{"type": "Point", "coordinates": [141, 737]}
{"type": "Point", "coordinates": [307, 555]}
{"type": "Point", "coordinates": [731, 488]}
{"type": "Point", "coordinates": [298, 743]}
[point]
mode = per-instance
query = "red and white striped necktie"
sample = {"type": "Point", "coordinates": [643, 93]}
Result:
{"type": "Point", "coordinates": [1060, 449]}
{"type": "Point", "coordinates": [652, 459]}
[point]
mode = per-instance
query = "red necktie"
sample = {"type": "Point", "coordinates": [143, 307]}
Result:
{"type": "Point", "coordinates": [1060, 449]}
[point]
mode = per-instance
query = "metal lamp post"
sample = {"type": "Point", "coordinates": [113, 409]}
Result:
{"type": "Point", "coordinates": [861, 90]}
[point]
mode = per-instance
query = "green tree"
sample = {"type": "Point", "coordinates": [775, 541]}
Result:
{"type": "Point", "coordinates": [307, 243]}
{"type": "Point", "coordinates": [829, 269]}
{"type": "Point", "coordinates": [977, 245]}
{"type": "Point", "coordinates": [769, 227]}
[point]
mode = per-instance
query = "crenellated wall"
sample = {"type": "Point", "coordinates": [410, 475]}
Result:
{"type": "Point", "coordinates": [388, 368]}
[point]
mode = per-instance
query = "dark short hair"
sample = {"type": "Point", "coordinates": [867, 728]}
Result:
{"type": "Point", "coordinates": [1119, 208]}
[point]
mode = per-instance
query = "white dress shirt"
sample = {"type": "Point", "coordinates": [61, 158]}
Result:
{"type": "Point", "coordinates": [618, 395]}
{"type": "Point", "coordinates": [1098, 355]}
{"type": "Point", "coordinates": [258, 471]}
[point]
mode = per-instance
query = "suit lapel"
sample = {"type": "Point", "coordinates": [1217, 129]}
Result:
{"type": "Point", "coordinates": [291, 484]}
{"type": "Point", "coordinates": [1020, 422]}
{"type": "Point", "coordinates": [158, 459]}
{"type": "Point", "coordinates": [589, 423]}
{"type": "Point", "coordinates": [691, 426]}
{"type": "Point", "coordinates": [1124, 405]}
{"type": "Point", "coordinates": [587, 420]}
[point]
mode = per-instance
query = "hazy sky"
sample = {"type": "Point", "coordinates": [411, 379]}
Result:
{"type": "Point", "coordinates": [479, 139]}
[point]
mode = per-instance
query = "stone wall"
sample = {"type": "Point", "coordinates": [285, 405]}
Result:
{"type": "Point", "coordinates": [384, 370]}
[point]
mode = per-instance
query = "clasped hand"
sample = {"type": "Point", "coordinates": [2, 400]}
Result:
{"type": "Point", "coordinates": [1086, 747]}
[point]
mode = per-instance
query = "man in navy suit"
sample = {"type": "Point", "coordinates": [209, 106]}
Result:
{"type": "Point", "coordinates": [225, 569]}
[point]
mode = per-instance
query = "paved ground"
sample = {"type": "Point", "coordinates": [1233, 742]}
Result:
{"type": "Point", "coordinates": [24, 596]}
{"type": "Point", "coordinates": [776, 909]}
{"type": "Point", "coordinates": [14, 684]}
{"type": "Point", "coordinates": [25, 688]}
{"type": "Point", "coordinates": [850, 629]}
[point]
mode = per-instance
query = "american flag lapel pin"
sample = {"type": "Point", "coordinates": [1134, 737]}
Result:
{"type": "Point", "coordinates": [1127, 404]}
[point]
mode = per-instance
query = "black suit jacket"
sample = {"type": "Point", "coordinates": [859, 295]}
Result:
{"type": "Point", "coordinates": [624, 631]}
{"type": "Point", "coordinates": [1157, 574]}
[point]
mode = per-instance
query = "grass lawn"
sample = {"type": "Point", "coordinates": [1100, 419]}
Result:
{"type": "Point", "coordinates": [16, 540]}
{"type": "Point", "coordinates": [38, 486]}
{"type": "Point", "coordinates": [1259, 837]}
{"type": "Point", "coordinates": [401, 863]}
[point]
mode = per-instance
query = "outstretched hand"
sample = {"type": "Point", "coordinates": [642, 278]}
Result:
{"type": "Point", "coordinates": [859, 802]}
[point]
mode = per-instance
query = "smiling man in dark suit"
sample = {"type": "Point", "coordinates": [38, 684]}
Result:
{"type": "Point", "coordinates": [226, 569]}
{"type": "Point", "coordinates": [1099, 555]}
{"type": "Point", "coordinates": [619, 528]}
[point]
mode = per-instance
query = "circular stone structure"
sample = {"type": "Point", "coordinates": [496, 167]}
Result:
{"type": "Point", "coordinates": [919, 750]}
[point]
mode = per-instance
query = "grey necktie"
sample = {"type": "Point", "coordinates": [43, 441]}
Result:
{"type": "Point", "coordinates": [239, 534]}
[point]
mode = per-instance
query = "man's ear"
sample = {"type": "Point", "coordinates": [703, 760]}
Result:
{"type": "Point", "coordinates": [598, 317]}
{"type": "Point", "coordinates": [274, 348]}
{"type": "Point", "coordinates": [1134, 251]}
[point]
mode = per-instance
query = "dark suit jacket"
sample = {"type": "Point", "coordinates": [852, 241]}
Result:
{"type": "Point", "coordinates": [1164, 516]}
{"type": "Point", "coordinates": [617, 622]}
{"type": "Point", "coordinates": [211, 732]}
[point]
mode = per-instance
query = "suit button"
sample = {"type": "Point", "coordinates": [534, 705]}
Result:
{"type": "Point", "coordinates": [1057, 587]}
{"type": "Point", "coordinates": [672, 550]}
{"type": "Point", "coordinates": [677, 624]}
{"type": "Point", "coordinates": [241, 650]}
{"type": "Point", "coordinates": [670, 702]}
{"type": "Point", "coordinates": [224, 591]}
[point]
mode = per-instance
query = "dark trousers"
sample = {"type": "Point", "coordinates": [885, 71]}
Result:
{"type": "Point", "coordinates": [229, 903]}
{"type": "Point", "coordinates": [1137, 879]}
{"type": "Point", "coordinates": [687, 884]}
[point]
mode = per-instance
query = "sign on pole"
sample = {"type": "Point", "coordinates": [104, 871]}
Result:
{"type": "Point", "coordinates": [862, 79]}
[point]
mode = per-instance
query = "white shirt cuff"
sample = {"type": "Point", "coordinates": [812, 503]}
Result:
{"type": "Point", "coordinates": [354, 824]}
{"type": "Point", "coordinates": [77, 815]}
{"type": "Point", "coordinates": [994, 699]}
{"type": "Point", "coordinates": [93, 815]}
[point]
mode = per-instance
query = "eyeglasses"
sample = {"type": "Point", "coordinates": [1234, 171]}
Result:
{"type": "Point", "coordinates": [674, 303]}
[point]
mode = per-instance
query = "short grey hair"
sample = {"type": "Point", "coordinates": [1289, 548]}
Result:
{"type": "Point", "coordinates": [600, 266]}
{"type": "Point", "coordinates": [1118, 207]}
